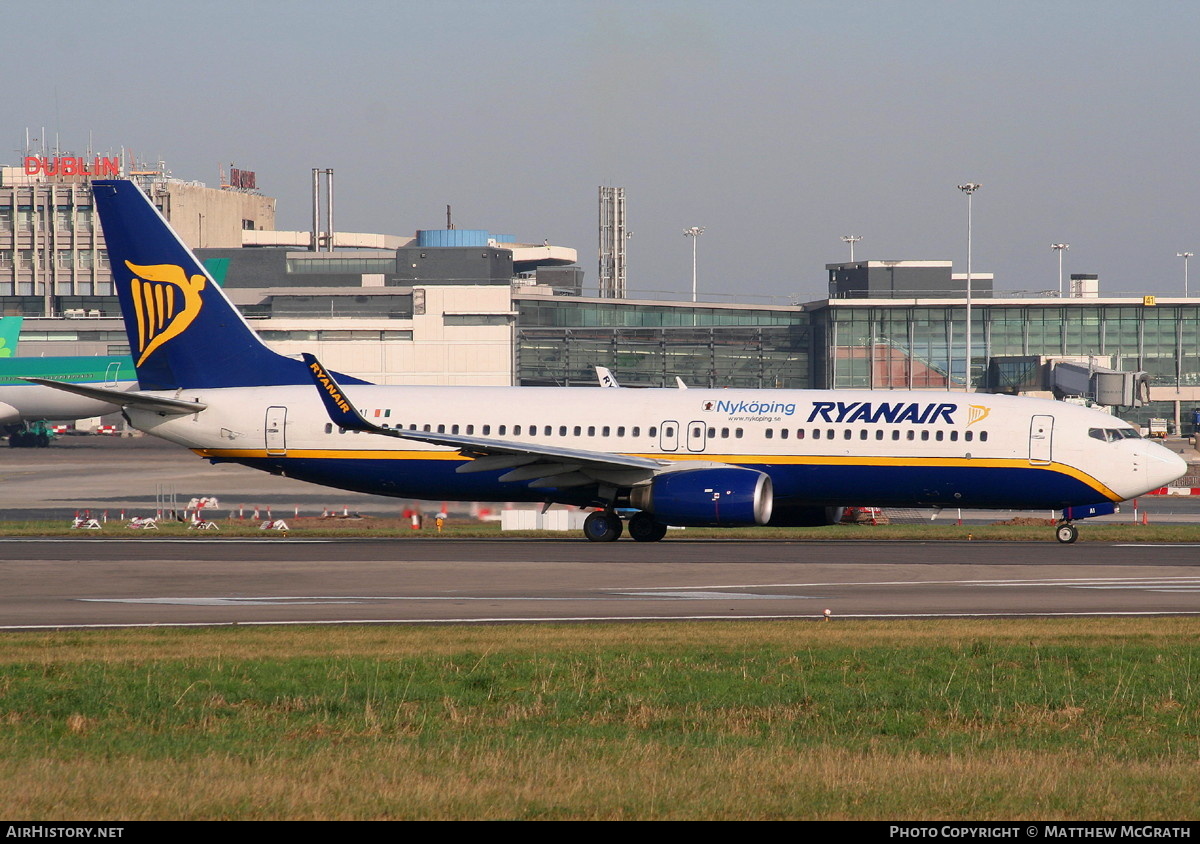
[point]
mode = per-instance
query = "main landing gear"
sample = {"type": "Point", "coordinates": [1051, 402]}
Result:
{"type": "Point", "coordinates": [602, 526]}
{"type": "Point", "coordinates": [605, 526]}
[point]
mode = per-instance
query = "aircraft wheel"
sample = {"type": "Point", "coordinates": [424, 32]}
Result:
{"type": "Point", "coordinates": [602, 526]}
{"type": "Point", "coordinates": [1067, 533]}
{"type": "Point", "coordinates": [643, 528]}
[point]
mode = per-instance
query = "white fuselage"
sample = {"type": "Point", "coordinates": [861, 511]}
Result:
{"type": "Point", "coordinates": [819, 447]}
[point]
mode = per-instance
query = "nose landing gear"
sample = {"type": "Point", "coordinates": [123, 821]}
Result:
{"type": "Point", "coordinates": [1066, 533]}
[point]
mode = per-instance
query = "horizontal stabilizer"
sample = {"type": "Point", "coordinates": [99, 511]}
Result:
{"type": "Point", "coordinates": [123, 398]}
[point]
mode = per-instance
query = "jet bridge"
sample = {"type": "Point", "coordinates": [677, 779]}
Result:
{"type": "Point", "coordinates": [1111, 387]}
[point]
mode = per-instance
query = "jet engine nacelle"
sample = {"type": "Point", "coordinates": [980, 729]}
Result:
{"type": "Point", "coordinates": [707, 498]}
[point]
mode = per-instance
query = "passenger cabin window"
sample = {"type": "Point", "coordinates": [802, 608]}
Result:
{"type": "Point", "coordinates": [969, 435]}
{"type": "Point", "coordinates": [502, 429]}
{"type": "Point", "coordinates": [577, 430]}
{"type": "Point", "coordinates": [653, 432]}
{"type": "Point", "coordinates": [562, 430]}
{"type": "Point", "coordinates": [770, 433]}
{"type": "Point", "coordinates": [783, 433]}
{"type": "Point", "coordinates": [454, 429]}
{"type": "Point", "coordinates": [620, 430]}
{"type": "Point", "coordinates": [636, 432]}
{"type": "Point", "coordinates": [954, 436]}
{"type": "Point", "coordinates": [487, 429]}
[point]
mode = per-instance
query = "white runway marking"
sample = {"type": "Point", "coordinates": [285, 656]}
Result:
{"type": "Point", "coordinates": [1055, 581]}
{"type": "Point", "coordinates": [712, 596]}
{"type": "Point", "coordinates": [295, 600]}
{"type": "Point", "coordinates": [1185, 585]}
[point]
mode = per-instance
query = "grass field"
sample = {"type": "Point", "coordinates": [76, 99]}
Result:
{"type": "Point", "coordinates": [1022, 719]}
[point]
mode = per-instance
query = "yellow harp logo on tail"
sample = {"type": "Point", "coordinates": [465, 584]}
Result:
{"type": "Point", "coordinates": [166, 301]}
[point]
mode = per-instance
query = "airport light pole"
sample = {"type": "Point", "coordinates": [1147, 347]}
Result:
{"type": "Point", "coordinates": [1059, 247]}
{"type": "Point", "coordinates": [694, 233]}
{"type": "Point", "coordinates": [851, 239]}
{"type": "Point", "coordinates": [1184, 256]}
{"type": "Point", "coordinates": [969, 189]}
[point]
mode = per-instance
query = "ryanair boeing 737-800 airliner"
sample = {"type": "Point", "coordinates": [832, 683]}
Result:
{"type": "Point", "coordinates": [668, 456]}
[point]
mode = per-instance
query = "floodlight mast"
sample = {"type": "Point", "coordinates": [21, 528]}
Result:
{"type": "Point", "coordinates": [1059, 248]}
{"type": "Point", "coordinates": [969, 189]}
{"type": "Point", "coordinates": [1185, 256]}
{"type": "Point", "coordinates": [851, 239]}
{"type": "Point", "coordinates": [694, 233]}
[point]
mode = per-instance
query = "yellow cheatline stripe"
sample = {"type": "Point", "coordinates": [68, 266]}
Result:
{"type": "Point", "coordinates": [768, 459]}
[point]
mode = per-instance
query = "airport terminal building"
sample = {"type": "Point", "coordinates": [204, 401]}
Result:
{"type": "Point", "coordinates": [457, 307]}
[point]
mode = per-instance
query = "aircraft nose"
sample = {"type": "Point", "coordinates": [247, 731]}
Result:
{"type": "Point", "coordinates": [1162, 465]}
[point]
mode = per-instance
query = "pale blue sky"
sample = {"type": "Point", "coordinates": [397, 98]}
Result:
{"type": "Point", "coordinates": [779, 126]}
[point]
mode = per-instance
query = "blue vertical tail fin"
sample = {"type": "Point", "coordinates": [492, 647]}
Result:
{"type": "Point", "coordinates": [183, 331]}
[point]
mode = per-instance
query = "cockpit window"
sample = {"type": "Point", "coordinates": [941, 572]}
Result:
{"type": "Point", "coordinates": [1112, 435]}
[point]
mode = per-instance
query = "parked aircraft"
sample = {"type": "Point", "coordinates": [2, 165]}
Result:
{"type": "Point", "coordinates": [607, 379]}
{"type": "Point", "coordinates": [23, 404]}
{"type": "Point", "coordinates": [673, 457]}
{"type": "Point", "coordinates": [10, 333]}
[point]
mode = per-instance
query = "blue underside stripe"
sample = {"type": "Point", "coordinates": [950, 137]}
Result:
{"type": "Point", "coordinates": [1016, 486]}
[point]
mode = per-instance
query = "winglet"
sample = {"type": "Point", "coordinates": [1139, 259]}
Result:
{"type": "Point", "coordinates": [605, 377]}
{"type": "Point", "coordinates": [340, 411]}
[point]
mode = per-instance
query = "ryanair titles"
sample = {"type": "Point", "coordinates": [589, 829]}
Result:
{"type": "Point", "coordinates": [919, 413]}
{"type": "Point", "coordinates": [330, 387]}
{"type": "Point", "coordinates": [865, 411]}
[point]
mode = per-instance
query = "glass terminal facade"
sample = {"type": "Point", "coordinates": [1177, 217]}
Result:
{"type": "Point", "coordinates": [561, 340]}
{"type": "Point", "coordinates": [861, 344]}
{"type": "Point", "coordinates": [905, 345]}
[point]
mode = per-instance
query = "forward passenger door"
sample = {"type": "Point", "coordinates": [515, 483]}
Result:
{"type": "Point", "coordinates": [1041, 440]}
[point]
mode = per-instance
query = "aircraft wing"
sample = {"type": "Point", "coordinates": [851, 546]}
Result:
{"type": "Point", "coordinates": [541, 465]}
{"type": "Point", "coordinates": [124, 398]}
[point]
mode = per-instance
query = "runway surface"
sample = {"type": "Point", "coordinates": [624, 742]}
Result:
{"type": "Point", "coordinates": [279, 580]}
{"type": "Point", "coordinates": [122, 582]}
